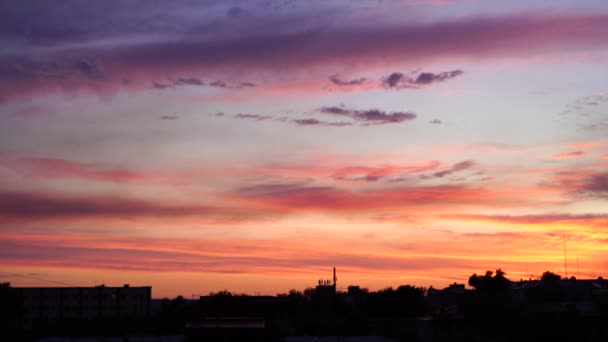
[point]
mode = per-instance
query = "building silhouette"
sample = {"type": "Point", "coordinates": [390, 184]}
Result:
{"type": "Point", "coordinates": [48, 305]}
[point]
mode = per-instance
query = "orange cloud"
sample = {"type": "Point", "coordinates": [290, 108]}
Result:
{"type": "Point", "coordinates": [589, 144]}
{"type": "Point", "coordinates": [566, 155]}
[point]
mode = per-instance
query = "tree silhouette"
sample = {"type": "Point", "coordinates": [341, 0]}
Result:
{"type": "Point", "coordinates": [550, 277]}
{"type": "Point", "coordinates": [494, 284]}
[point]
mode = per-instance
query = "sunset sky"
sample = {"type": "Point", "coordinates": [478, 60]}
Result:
{"type": "Point", "coordinates": [197, 146]}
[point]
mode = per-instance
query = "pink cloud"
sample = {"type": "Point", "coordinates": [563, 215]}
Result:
{"type": "Point", "coordinates": [567, 155]}
{"type": "Point", "coordinates": [61, 168]}
{"type": "Point", "coordinates": [589, 144]}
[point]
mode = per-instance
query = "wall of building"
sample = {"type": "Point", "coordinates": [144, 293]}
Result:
{"type": "Point", "coordinates": [77, 303]}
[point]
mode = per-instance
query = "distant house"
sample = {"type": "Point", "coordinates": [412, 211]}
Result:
{"type": "Point", "coordinates": [448, 301]}
{"type": "Point", "coordinates": [566, 295]}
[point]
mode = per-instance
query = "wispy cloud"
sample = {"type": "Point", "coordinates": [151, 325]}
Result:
{"type": "Point", "coordinates": [551, 218]}
{"type": "Point", "coordinates": [398, 80]}
{"type": "Point", "coordinates": [370, 116]}
{"type": "Point", "coordinates": [567, 155]}
{"type": "Point", "coordinates": [189, 81]}
{"type": "Point", "coordinates": [256, 117]}
{"type": "Point", "coordinates": [335, 79]}
{"type": "Point", "coordinates": [194, 81]}
{"type": "Point", "coordinates": [355, 117]}
{"type": "Point", "coordinates": [316, 122]}
{"type": "Point", "coordinates": [461, 166]}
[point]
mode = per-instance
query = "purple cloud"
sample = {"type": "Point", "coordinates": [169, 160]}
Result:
{"type": "Point", "coordinates": [226, 85]}
{"type": "Point", "coordinates": [189, 81]}
{"type": "Point", "coordinates": [464, 165]}
{"type": "Point", "coordinates": [26, 205]}
{"type": "Point", "coordinates": [193, 81]}
{"type": "Point", "coordinates": [597, 185]}
{"type": "Point", "coordinates": [161, 86]}
{"type": "Point", "coordinates": [253, 117]}
{"type": "Point", "coordinates": [339, 82]}
{"type": "Point", "coordinates": [393, 79]}
{"type": "Point", "coordinates": [163, 41]}
{"type": "Point", "coordinates": [399, 80]}
{"type": "Point", "coordinates": [315, 122]}
{"type": "Point", "coordinates": [369, 117]}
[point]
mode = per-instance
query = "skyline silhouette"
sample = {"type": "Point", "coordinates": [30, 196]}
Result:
{"type": "Point", "coordinates": [493, 307]}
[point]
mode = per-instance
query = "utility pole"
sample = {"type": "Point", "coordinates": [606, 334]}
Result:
{"type": "Point", "coordinates": [565, 258]}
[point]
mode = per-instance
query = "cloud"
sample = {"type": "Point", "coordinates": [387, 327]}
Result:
{"type": "Point", "coordinates": [37, 205]}
{"type": "Point", "coordinates": [163, 41]}
{"type": "Point", "coordinates": [218, 256]}
{"type": "Point", "coordinates": [335, 79]}
{"type": "Point", "coordinates": [61, 168]}
{"type": "Point", "coordinates": [161, 86]}
{"type": "Point", "coordinates": [399, 80]}
{"type": "Point", "coordinates": [236, 12]}
{"type": "Point", "coordinates": [315, 122]}
{"type": "Point", "coordinates": [193, 81]}
{"type": "Point", "coordinates": [90, 68]}
{"type": "Point", "coordinates": [585, 105]}
{"type": "Point", "coordinates": [593, 144]}
{"type": "Point", "coordinates": [596, 185]}
{"type": "Point", "coordinates": [301, 197]}
{"type": "Point", "coordinates": [189, 81]}
{"type": "Point", "coordinates": [226, 85]}
{"type": "Point", "coordinates": [582, 183]}
{"type": "Point", "coordinates": [566, 155]}
{"type": "Point", "coordinates": [553, 218]}
{"type": "Point", "coordinates": [369, 117]}
{"type": "Point", "coordinates": [429, 77]}
{"type": "Point", "coordinates": [219, 84]}
{"type": "Point", "coordinates": [358, 117]}
{"type": "Point", "coordinates": [464, 165]}
{"type": "Point", "coordinates": [393, 79]}
{"type": "Point", "coordinates": [253, 117]}
{"type": "Point", "coordinates": [388, 172]}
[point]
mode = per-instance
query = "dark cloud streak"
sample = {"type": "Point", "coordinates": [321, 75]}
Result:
{"type": "Point", "coordinates": [399, 80]}
{"type": "Point", "coordinates": [369, 117]}
{"type": "Point", "coordinates": [256, 44]}
{"type": "Point", "coordinates": [335, 79]}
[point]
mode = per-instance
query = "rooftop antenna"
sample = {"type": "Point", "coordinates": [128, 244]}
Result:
{"type": "Point", "coordinates": [335, 278]}
{"type": "Point", "coordinates": [578, 274]}
{"type": "Point", "coordinates": [565, 259]}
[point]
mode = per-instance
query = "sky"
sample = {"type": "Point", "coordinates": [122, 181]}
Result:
{"type": "Point", "coordinates": [197, 146]}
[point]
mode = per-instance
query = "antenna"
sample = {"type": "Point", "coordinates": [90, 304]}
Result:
{"type": "Point", "coordinates": [565, 259]}
{"type": "Point", "coordinates": [335, 278]}
{"type": "Point", "coordinates": [578, 274]}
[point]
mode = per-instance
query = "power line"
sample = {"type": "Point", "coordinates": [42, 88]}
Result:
{"type": "Point", "coordinates": [39, 279]}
